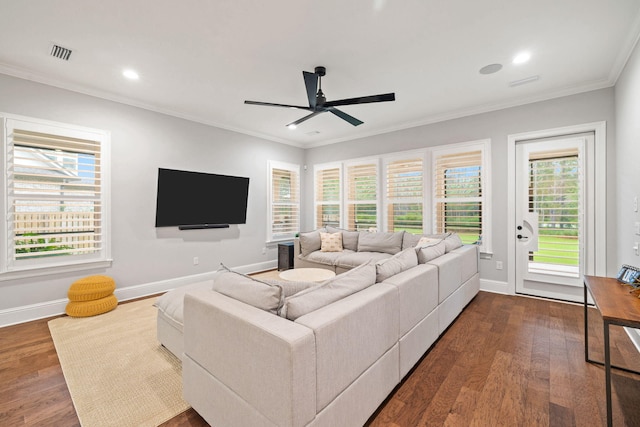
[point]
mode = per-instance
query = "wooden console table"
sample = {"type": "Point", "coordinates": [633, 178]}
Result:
{"type": "Point", "coordinates": [617, 306]}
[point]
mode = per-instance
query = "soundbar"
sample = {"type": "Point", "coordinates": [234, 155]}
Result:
{"type": "Point", "coordinates": [202, 226]}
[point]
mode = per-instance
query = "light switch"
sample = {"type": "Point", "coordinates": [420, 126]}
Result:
{"type": "Point", "coordinates": [637, 225]}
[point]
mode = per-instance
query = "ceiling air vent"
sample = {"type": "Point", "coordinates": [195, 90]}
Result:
{"type": "Point", "coordinates": [60, 52]}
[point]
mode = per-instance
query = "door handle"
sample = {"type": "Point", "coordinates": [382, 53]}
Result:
{"type": "Point", "coordinates": [521, 237]}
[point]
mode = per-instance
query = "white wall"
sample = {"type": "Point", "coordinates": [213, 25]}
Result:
{"type": "Point", "coordinates": [142, 141]}
{"type": "Point", "coordinates": [627, 103]}
{"type": "Point", "coordinates": [577, 109]}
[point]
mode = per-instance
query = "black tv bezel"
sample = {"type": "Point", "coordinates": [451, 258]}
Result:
{"type": "Point", "coordinates": [192, 225]}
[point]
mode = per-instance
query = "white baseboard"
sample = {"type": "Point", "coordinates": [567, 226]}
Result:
{"type": "Point", "coordinates": [494, 286]}
{"type": "Point", "coordinates": [27, 313]}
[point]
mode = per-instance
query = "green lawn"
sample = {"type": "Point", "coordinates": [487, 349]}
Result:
{"type": "Point", "coordinates": [557, 250]}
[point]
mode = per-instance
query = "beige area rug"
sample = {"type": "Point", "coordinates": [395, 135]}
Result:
{"type": "Point", "coordinates": [117, 372]}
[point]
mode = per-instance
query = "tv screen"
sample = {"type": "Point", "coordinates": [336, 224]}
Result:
{"type": "Point", "coordinates": [194, 198]}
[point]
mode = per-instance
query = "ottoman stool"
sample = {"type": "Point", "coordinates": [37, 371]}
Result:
{"type": "Point", "coordinates": [91, 296]}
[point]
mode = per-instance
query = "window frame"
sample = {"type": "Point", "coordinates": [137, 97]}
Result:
{"type": "Point", "coordinates": [374, 161]}
{"type": "Point", "coordinates": [386, 201]}
{"type": "Point", "coordinates": [10, 268]}
{"type": "Point", "coordinates": [340, 203]}
{"type": "Point", "coordinates": [484, 146]}
{"type": "Point", "coordinates": [291, 167]}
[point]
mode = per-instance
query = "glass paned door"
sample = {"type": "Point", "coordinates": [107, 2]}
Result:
{"type": "Point", "coordinates": [553, 224]}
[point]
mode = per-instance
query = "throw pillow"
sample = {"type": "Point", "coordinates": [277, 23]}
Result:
{"type": "Point", "coordinates": [332, 290]}
{"type": "Point", "coordinates": [431, 251]}
{"type": "Point", "coordinates": [427, 241]}
{"type": "Point", "coordinates": [453, 242]}
{"type": "Point", "coordinates": [291, 287]}
{"type": "Point", "coordinates": [396, 264]}
{"type": "Point", "coordinates": [249, 290]}
{"type": "Point", "coordinates": [310, 241]}
{"type": "Point", "coordinates": [331, 242]}
{"type": "Point", "coordinates": [349, 238]}
{"type": "Point", "coordinates": [389, 243]}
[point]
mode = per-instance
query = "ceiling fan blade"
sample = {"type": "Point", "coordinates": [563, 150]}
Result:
{"type": "Point", "coordinates": [271, 104]}
{"type": "Point", "coordinates": [311, 83]}
{"type": "Point", "coordinates": [362, 100]}
{"type": "Point", "coordinates": [305, 118]}
{"type": "Point", "coordinates": [345, 116]}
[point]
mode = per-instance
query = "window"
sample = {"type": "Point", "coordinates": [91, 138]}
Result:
{"type": "Point", "coordinates": [328, 191]}
{"type": "Point", "coordinates": [362, 196]}
{"type": "Point", "coordinates": [404, 194]}
{"type": "Point", "coordinates": [392, 197]}
{"type": "Point", "coordinates": [284, 200]}
{"type": "Point", "coordinates": [460, 182]}
{"type": "Point", "coordinates": [56, 192]}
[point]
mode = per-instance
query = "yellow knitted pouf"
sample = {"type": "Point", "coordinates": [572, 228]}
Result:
{"type": "Point", "coordinates": [91, 308]}
{"type": "Point", "coordinates": [91, 288]}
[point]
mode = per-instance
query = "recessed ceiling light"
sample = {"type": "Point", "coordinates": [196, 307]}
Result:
{"type": "Point", "coordinates": [521, 58]}
{"type": "Point", "coordinates": [491, 68]}
{"type": "Point", "coordinates": [130, 74]}
{"type": "Point", "coordinates": [292, 126]}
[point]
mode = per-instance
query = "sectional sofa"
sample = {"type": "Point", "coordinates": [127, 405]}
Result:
{"type": "Point", "coordinates": [294, 354]}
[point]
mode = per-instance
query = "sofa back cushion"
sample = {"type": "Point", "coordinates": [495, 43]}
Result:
{"type": "Point", "coordinates": [349, 238]}
{"type": "Point", "coordinates": [310, 241]}
{"type": "Point", "coordinates": [431, 250]}
{"type": "Point", "coordinates": [398, 263]}
{"type": "Point", "coordinates": [330, 291]}
{"type": "Point", "coordinates": [390, 243]}
{"type": "Point", "coordinates": [249, 290]}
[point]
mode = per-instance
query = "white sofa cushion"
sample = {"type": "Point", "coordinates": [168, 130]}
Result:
{"type": "Point", "coordinates": [349, 238]}
{"type": "Point", "coordinates": [354, 259]}
{"type": "Point", "coordinates": [351, 335]}
{"type": "Point", "coordinates": [330, 291]}
{"type": "Point", "coordinates": [310, 241]}
{"type": "Point", "coordinates": [431, 251]}
{"type": "Point", "coordinates": [291, 287]}
{"type": "Point", "coordinates": [390, 243]}
{"type": "Point", "coordinates": [398, 263]}
{"type": "Point", "coordinates": [328, 258]}
{"type": "Point", "coordinates": [468, 261]}
{"type": "Point", "coordinates": [171, 304]}
{"type": "Point", "coordinates": [418, 294]}
{"type": "Point", "coordinates": [251, 291]}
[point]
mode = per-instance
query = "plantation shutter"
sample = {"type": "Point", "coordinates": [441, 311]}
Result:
{"type": "Point", "coordinates": [55, 198]}
{"type": "Point", "coordinates": [458, 197]}
{"type": "Point", "coordinates": [554, 193]}
{"type": "Point", "coordinates": [404, 195]}
{"type": "Point", "coordinates": [327, 199]}
{"type": "Point", "coordinates": [285, 201]}
{"type": "Point", "coordinates": [362, 190]}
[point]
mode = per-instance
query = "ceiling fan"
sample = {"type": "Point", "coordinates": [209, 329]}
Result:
{"type": "Point", "coordinates": [318, 103]}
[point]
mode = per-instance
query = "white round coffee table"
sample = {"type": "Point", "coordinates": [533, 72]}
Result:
{"type": "Point", "coordinates": [307, 275]}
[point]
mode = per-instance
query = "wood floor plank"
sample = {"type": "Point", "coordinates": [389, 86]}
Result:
{"type": "Point", "coordinates": [506, 360]}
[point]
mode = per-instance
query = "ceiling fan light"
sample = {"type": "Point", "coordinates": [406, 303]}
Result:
{"type": "Point", "coordinates": [292, 126]}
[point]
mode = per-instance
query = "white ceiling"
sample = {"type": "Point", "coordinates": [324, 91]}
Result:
{"type": "Point", "coordinates": [200, 59]}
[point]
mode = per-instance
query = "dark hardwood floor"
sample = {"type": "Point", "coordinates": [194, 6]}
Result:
{"type": "Point", "coordinates": [506, 361]}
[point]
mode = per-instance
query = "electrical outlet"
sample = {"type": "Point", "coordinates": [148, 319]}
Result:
{"type": "Point", "coordinates": [196, 261]}
{"type": "Point", "coordinates": [637, 226]}
{"type": "Point", "coordinates": [264, 250]}
{"type": "Point", "coordinates": [498, 265]}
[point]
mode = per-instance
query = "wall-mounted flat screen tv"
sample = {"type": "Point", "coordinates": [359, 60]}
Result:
{"type": "Point", "coordinates": [200, 200]}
